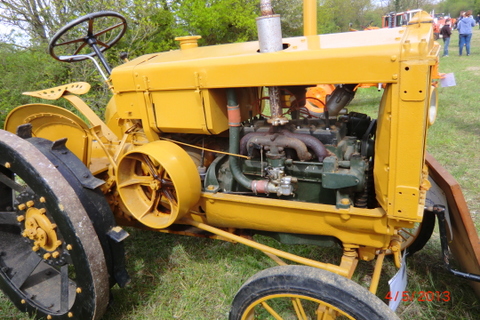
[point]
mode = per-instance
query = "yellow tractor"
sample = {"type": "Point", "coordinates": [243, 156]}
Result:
{"type": "Point", "coordinates": [224, 141]}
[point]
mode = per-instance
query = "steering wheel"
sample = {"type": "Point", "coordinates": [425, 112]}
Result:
{"type": "Point", "coordinates": [99, 30]}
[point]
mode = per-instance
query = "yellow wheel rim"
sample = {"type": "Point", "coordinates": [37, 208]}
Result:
{"type": "Point", "coordinates": [292, 306]}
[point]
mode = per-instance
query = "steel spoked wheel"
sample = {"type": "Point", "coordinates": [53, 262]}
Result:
{"type": "Point", "coordinates": [51, 261]}
{"type": "Point", "coordinates": [300, 292]}
{"type": "Point", "coordinates": [158, 183]}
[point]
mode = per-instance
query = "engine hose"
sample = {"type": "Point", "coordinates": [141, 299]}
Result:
{"type": "Point", "coordinates": [234, 141]}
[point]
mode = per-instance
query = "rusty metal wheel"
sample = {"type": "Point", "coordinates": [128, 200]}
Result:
{"type": "Point", "coordinates": [51, 261]}
{"type": "Point", "coordinates": [301, 292]}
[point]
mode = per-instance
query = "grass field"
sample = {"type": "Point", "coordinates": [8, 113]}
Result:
{"type": "Point", "coordinates": [175, 277]}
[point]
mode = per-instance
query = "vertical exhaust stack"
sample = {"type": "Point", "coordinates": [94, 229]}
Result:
{"type": "Point", "coordinates": [270, 39]}
{"type": "Point", "coordinates": [269, 29]}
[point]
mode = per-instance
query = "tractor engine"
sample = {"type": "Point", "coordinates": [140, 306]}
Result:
{"type": "Point", "coordinates": [312, 160]}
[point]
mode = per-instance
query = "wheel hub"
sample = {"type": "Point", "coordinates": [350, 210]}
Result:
{"type": "Point", "coordinates": [40, 230]}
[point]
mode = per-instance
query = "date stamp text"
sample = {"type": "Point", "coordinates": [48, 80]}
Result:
{"type": "Point", "coordinates": [424, 296]}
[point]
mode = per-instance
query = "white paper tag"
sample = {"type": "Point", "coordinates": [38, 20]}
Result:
{"type": "Point", "coordinates": [398, 284]}
{"type": "Point", "coordinates": [448, 80]}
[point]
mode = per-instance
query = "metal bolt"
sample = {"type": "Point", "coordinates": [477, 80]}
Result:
{"type": "Point", "coordinates": [20, 218]}
{"type": "Point", "coordinates": [21, 206]}
{"type": "Point", "coordinates": [42, 211]}
{"type": "Point", "coordinates": [56, 254]}
{"type": "Point", "coordinates": [23, 301]}
{"type": "Point", "coordinates": [69, 247]}
{"type": "Point", "coordinates": [47, 256]}
{"type": "Point", "coordinates": [43, 200]}
{"type": "Point", "coordinates": [49, 317]}
{"type": "Point", "coordinates": [7, 165]}
{"type": "Point", "coordinates": [79, 290]}
{"type": "Point", "coordinates": [30, 203]}
{"type": "Point", "coordinates": [70, 315]}
{"type": "Point", "coordinates": [35, 248]}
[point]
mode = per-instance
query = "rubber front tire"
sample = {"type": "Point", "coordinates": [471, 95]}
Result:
{"type": "Point", "coordinates": [301, 292]}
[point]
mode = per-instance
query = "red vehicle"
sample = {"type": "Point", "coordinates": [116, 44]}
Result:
{"type": "Point", "coordinates": [397, 19]}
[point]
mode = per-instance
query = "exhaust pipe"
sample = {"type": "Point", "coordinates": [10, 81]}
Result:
{"type": "Point", "coordinates": [270, 39]}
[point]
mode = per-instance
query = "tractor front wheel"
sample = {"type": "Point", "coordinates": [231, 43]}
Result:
{"type": "Point", "coordinates": [301, 292]}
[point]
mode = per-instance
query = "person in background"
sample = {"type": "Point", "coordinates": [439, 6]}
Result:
{"type": "Point", "coordinates": [464, 27]}
{"type": "Point", "coordinates": [446, 32]}
{"type": "Point", "coordinates": [478, 20]}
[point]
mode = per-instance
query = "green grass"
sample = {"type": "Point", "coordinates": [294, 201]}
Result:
{"type": "Point", "coordinates": [175, 277]}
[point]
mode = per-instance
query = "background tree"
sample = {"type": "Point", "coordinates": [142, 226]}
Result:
{"type": "Point", "coordinates": [152, 27]}
{"type": "Point", "coordinates": [454, 7]}
{"type": "Point", "coordinates": [217, 21]}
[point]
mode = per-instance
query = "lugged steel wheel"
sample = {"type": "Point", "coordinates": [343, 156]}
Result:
{"type": "Point", "coordinates": [51, 261]}
{"type": "Point", "coordinates": [301, 292]}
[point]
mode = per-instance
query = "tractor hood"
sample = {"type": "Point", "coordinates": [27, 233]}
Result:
{"type": "Point", "coordinates": [371, 56]}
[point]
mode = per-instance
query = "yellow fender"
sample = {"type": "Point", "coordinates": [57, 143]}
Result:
{"type": "Point", "coordinates": [53, 123]}
{"type": "Point", "coordinates": [69, 92]}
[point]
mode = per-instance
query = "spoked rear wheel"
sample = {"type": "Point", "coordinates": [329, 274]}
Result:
{"type": "Point", "coordinates": [301, 292]}
{"type": "Point", "coordinates": [51, 261]}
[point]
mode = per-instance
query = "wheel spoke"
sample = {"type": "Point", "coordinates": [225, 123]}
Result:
{"type": "Point", "coordinates": [170, 197]}
{"type": "Point", "coordinates": [108, 29]}
{"type": "Point", "coordinates": [90, 27]}
{"type": "Point", "coordinates": [26, 269]}
{"type": "Point", "coordinates": [271, 311]}
{"type": "Point", "coordinates": [152, 204]}
{"type": "Point", "coordinates": [64, 285]}
{"type": "Point", "coordinates": [69, 42]}
{"type": "Point", "coordinates": [297, 305]}
{"type": "Point", "coordinates": [409, 233]}
{"type": "Point", "coordinates": [83, 45]}
{"type": "Point", "coordinates": [8, 218]}
{"type": "Point", "coordinates": [103, 44]}
{"type": "Point", "coordinates": [167, 183]}
{"type": "Point", "coordinates": [403, 237]}
{"type": "Point", "coordinates": [151, 167]}
{"type": "Point", "coordinates": [11, 183]}
{"type": "Point", "coordinates": [137, 181]}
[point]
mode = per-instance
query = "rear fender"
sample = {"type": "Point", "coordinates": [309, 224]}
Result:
{"type": "Point", "coordinates": [53, 123]}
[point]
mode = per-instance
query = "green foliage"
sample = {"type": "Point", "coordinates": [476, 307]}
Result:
{"type": "Point", "coordinates": [25, 70]}
{"type": "Point", "coordinates": [454, 7]}
{"type": "Point", "coordinates": [217, 21]}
